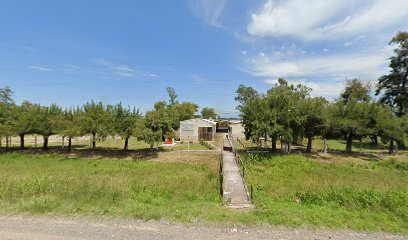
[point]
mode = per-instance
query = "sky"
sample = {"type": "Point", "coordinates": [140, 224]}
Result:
{"type": "Point", "coordinates": [71, 52]}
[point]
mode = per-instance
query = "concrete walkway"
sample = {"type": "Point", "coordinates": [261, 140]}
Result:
{"type": "Point", "coordinates": [234, 191]}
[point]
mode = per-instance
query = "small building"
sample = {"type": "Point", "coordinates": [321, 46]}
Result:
{"type": "Point", "coordinates": [196, 129]}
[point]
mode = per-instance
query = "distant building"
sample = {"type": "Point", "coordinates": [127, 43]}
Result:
{"type": "Point", "coordinates": [237, 128]}
{"type": "Point", "coordinates": [196, 129]}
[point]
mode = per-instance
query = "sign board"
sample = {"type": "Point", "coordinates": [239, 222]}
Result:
{"type": "Point", "coordinates": [187, 126]}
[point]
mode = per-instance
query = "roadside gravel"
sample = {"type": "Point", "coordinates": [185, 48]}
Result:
{"type": "Point", "coordinates": [24, 227]}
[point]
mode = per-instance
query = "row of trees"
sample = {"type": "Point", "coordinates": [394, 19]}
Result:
{"type": "Point", "coordinates": [95, 119]}
{"type": "Point", "coordinates": [289, 113]}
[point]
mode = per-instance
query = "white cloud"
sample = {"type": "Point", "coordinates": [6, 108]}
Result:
{"type": "Point", "coordinates": [323, 73]}
{"type": "Point", "coordinates": [123, 69]}
{"type": "Point", "coordinates": [325, 89]}
{"type": "Point", "coordinates": [41, 69]}
{"type": "Point", "coordinates": [209, 10]}
{"type": "Point", "coordinates": [327, 19]}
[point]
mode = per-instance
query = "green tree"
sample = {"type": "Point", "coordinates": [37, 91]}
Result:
{"type": "Point", "coordinates": [314, 123]}
{"type": "Point", "coordinates": [97, 121]}
{"type": "Point", "coordinates": [68, 124]}
{"type": "Point", "coordinates": [390, 127]}
{"type": "Point", "coordinates": [45, 122]}
{"type": "Point", "coordinates": [351, 119]}
{"type": "Point", "coordinates": [23, 123]}
{"type": "Point", "coordinates": [125, 121]}
{"type": "Point", "coordinates": [393, 87]}
{"type": "Point", "coordinates": [6, 95]}
{"type": "Point", "coordinates": [172, 95]}
{"type": "Point", "coordinates": [159, 124]}
{"type": "Point", "coordinates": [357, 90]}
{"type": "Point", "coordinates": [6, 114]}
{"type": "Point", "coordinates": [186, 110]}
{"type": "Point", "coordinates": [244, 94]}
{"type": "Point", "coordinates": [208, 113]}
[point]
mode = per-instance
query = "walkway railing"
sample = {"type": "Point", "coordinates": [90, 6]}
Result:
{"type": "Point", "coordinates": [239, 163]}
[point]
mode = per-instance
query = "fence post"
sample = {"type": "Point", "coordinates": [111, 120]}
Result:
{"type": "Point", "coordinates": [252, 190]}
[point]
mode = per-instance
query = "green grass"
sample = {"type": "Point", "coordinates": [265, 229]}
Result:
{"type": "Point", "coordinates": [289, 190]}
{"type": "Point", "coordinates": [141, 189]}
{"type": "Point", "coordinates": [370, 195]}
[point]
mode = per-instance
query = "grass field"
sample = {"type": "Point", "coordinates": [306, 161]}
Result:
{"type": "Point", "coordinates": [355, 193]}
{"type": "Point", "coordinates": [289, 190]}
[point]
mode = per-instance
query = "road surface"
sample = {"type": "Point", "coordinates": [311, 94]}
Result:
{"type": "Point", "coordinates": [25, 227]}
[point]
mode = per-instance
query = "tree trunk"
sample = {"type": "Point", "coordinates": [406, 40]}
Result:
{"type": "Point", "coordinates": [266, 141]}
{"type": "Point", "coordinates": [361, 144]}
{"type": "Point", "coordinates": [349, 142]}
{"type": "Point", "coordinates": [7, 142]}
{"type": "Point", "coordinates": [45, 145]}
{"type": "Point", "coordinates": [151, 146]}
{"type": "Point", "coordinates": [309, 144]}
{"type": "Point", "coordinates": [281, 143]}
{"type": "Point", "coordinates": [126, 144]}
{"type": "Point", "coordinates": [274, 144]}
{"type": "Point", "coordinates": [35, 141]}
{"type": "Point", "coordinates": [22, 141]}
{"type": "Point", "coordinates": [391, 147]}
{"type": "Point", "coordinates": [289, 147]}
{"type": "Point", "coordinates": [325, 145]}
{"type": "Point", "coordinates": [62, 142]}
{"type": "Point", "coordinates": [93, 140]}
{"type": "Point", "coordinates": [69, 144]}
{"type": "Point", "coordinates": [1, 138]}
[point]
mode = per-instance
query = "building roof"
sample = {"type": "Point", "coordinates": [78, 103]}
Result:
{"type": "Point", "coordinates": [200, 119]}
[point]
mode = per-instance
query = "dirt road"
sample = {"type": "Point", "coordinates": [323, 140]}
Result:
{"type": "Point", "coordinates": [24, 227]}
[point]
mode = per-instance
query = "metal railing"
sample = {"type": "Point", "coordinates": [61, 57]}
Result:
{"type": "Point", "coordinates": [239, 163]}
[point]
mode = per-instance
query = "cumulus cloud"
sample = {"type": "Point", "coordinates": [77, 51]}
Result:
{"type": "Point", "coordinates": [323, 73]}
{"type": "Point", "coordinates": [209, 10]}
{"type": "Point", "coordinates": [325, 19]}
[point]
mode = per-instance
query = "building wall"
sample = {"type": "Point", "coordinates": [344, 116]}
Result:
{"type": "Point", "coordinates": [237, 130]}
{"type": "Point", "coordinates": [189, 129]}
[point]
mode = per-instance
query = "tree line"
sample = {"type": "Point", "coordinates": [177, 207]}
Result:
{"type": "Point", "coordinates": [288, 113]}
{"type": "Point", "coordinates": [95, 119]}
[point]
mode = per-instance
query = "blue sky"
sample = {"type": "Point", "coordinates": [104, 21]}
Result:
{"type": "Point", "coordinates": [70, 52]}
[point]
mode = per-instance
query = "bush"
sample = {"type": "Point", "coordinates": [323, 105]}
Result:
{"type": "Point", "coordinates": [205, 144]}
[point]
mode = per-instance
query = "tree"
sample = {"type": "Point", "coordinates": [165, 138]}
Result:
{"type": "Point", "coordinates": [125, 121]}
{"type": "Point", "coordinates": [68, 124]}
{"type": "Point", "coordinates": [390, 128]}
{"type": "Point", "coordinates": [96, 121]}
{"type": "Point", "coordinates": [172, 95]}
{"type": "Point", "coordinates": [357, 90]}
{"type": "Point", "coordinates": [244, 94]}
{"type": "Point", "coordinates": [351, 119]}
{"type": "Point", "coordinates": [45, 122]}
{"type": "Point", "coordinates": [286, 99]}
{"type": "Point", "coordinates": [394, 86]}
{"type": "Point", "coordinates": [159, 124]}
{"type": "Point", "coordinates": [6, 114]}
{"type": "Point", "coordinates": [315, 112]}
{"type": "Point", "coordinates": [186, 110]}
{"type": "Point", "coordinates": [5, 95]}
{"type": "Point", "coordinates": [208, 113]}
{"type": "Point", "coordinates": [23, 120]}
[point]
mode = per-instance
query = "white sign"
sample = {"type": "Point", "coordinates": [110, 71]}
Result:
{"type": "Point", "coordinates": [187, 126]}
